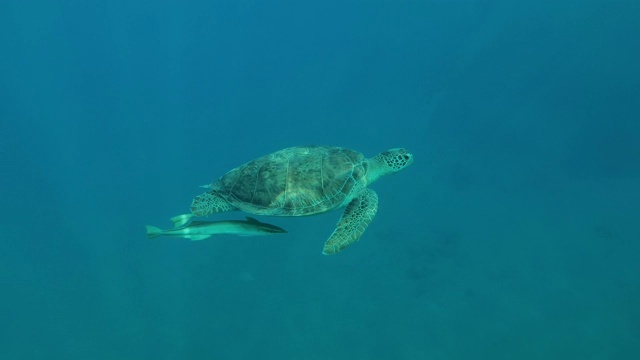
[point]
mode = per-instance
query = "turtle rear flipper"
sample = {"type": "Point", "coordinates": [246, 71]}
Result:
{"type": "Point", "coordinates": [209, 203]}
{"type": "Point", "coordinates": [357, 216]}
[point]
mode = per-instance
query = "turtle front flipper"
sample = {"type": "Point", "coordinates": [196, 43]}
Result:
{"type": "Point", "coordinates": [209, 203]}
{"type": "Point", "coordinates": [357, 216]}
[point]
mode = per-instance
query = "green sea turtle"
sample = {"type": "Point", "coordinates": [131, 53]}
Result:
{"type": "Point", "coordinates": [306, 180]}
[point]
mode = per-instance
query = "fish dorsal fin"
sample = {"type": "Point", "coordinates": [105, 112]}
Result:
{"type": "Point", "coordinates": [252, 220]}
{"type": "Point", "coordinates": [181, 220]}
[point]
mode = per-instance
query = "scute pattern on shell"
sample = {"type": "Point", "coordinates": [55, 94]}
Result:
{"type": "Point", "coordinates": [295, 181]}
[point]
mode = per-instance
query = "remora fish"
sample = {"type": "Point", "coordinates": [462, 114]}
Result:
{"type": "Point", "coordinates": [199, 230]}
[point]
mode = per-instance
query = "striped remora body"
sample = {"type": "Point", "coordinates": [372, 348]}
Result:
{"type": "Point", "coordinates": [199, 230]}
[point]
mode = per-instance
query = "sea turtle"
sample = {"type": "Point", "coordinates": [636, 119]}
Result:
{"type": "Point", "coordinates": [306, 180]}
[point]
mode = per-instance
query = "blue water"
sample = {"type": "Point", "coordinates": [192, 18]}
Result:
{"type": "Point", "coordinates": [514, 235]}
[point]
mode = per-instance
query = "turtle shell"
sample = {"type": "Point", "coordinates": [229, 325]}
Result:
{"type": "Point", "coordinates": [295, 181]}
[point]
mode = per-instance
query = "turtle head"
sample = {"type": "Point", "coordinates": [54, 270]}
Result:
{"type": "Point", "coordinates": [396, 159]}
{"type": "Point", "coordinates": [389, 162]}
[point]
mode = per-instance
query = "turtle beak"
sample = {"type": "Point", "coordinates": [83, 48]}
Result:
{"type": "Point", "coordinates": [404, 158]}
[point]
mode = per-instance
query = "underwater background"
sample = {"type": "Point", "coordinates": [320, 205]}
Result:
{"type": "Point", "coordinates": [514, 234]}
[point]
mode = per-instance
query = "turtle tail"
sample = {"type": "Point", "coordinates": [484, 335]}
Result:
{"type": "Point", "coordinates": [153, 232]}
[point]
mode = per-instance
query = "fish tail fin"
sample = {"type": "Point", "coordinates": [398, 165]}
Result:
{"type": "Point", "coordinates": [153, 232]}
